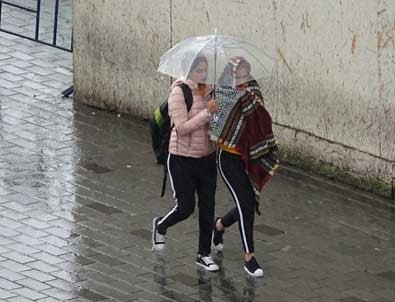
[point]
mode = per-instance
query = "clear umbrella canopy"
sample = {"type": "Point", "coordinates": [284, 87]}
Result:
{"type": "Point", "coordinates": [219, 51]}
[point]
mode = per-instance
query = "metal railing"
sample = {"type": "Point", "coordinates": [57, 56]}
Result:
{"type": "Point", "coordinates": [37, 11]}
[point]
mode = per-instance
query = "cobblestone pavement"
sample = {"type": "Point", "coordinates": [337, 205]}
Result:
{"type": "Point", "coordinates": [79, 187]}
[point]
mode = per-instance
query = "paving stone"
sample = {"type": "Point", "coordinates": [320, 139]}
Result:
{"type": "Point", "coordinates": [49, 299]}
{"type": "Point", "coordinates": [33, 284]}
{"type": "Point", "coordinates": [28, 293]}
{"type": "Point", "coordinates": [28, 240]}
{"type": "Point", "coordinates": [90, 295]}
{"type": "Point", "coordinates": [351, 299]}
{"type": "Point", "coordinates": [8, 285]}
{"type": "Point", "coordinates": [47, 258]}
{"type": "Point", "coordinates": [53, 250]}
{"type": "Point", "coordinates": [19, 299]}
{"type": "Point", "coordinates": [9, 233]}
{"type": "Point", "coordinates": [103, 208]}
{"type": "Point", "coordinates": [268, 230]}
{"type": "Point", "coordinates": [38, 275]}
{"type": "Point", "coordinates": [107, 259]}
{"type": "Point", "coordinates": [13, 266]}
{"type": "Point", "coordinates": [6, 294]}
{"type": "Point", "coordinates": [4, 250]}
{"type": "Point", "coordinates": [4, 49]}
{"type": "Point", "coordinates": [108, 292]}
{"type": "Point", "coordinates": [21, 56]}
{"type": "Point", "coordinates": [56, 241]}
{"type": "Point", "coordinates": [13, 70]}
{"type": "Point", "coordinates": [6, 222]}
{"type": "Point", "coordinates": [18, 257]}
{"type": "Point", "coordinates": [22, 64]}
{"type": "Point", "coordinates": [10, 77]}
{"type": "Point", "coordinates": [7, 84]}
{"type": "Point", "coordinates": [390, 275]}
{"type": "Point", "coordinates": [31, 232]}
{"type": "Point", "coordinates": [10, 275]}
{"type": "Point", "coordinates": [39, 70]}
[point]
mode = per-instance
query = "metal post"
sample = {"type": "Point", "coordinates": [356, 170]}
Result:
{"type": "Point", "coordinates": [55, 22]}
{"type": "Point", "coordinates": [38, 19]}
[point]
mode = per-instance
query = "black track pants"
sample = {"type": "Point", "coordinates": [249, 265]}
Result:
{"type": "Point", "coordinates": [189, 176]}
{"type": "Point", "coordinates": [233, 173]}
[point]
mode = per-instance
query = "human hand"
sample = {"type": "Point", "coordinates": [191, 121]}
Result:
{"type": "Point", "coordinates": [212, 105]}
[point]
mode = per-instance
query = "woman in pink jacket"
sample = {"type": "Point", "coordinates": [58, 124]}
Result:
{"type": "Point", "coordinates": [191, 163]}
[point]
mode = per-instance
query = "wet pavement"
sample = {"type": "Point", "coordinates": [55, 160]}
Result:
{"type": "Point", "coordinates": [79, 188]}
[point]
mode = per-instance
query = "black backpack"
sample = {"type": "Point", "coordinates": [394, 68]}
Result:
{"type": "Point", "coordinates": [160, 129]}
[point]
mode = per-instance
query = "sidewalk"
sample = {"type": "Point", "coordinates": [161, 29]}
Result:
{"type": "Point", "coordinates": [79, 188]}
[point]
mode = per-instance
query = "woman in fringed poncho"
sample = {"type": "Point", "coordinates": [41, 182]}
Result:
{"type": "Point", "coordinates": [246, 159]}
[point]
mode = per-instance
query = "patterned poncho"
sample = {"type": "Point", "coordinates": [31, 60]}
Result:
{"type": "Point", "coordinates": [248, 129]}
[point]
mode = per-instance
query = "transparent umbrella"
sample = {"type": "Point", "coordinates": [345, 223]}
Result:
{"type": "Point", "coordinates": [218, 49]}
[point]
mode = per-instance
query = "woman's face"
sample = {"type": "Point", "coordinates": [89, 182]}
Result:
{"type": "Point", "coordinates": [199, 74]}
{"type": "Point", "coordinates": [242, 75]}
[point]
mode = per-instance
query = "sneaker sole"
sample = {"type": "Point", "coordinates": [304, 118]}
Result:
{"type": "Point", "coordinates": [156, 247]}
{"type": "Point", "coordinates": [207, 268]}
{"type": "Point", "coordinates": [252, 274]}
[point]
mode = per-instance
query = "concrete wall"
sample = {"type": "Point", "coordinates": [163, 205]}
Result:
{"type": "Point", "coordinates": [332, 96]}
{"type": "Point", "coordinates": [117, 45]}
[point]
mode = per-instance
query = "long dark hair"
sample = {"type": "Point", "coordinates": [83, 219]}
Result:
{"type": "Point", "coordinates": [235, 63]}
{"type": "Point", "coordinates": [199, 59]}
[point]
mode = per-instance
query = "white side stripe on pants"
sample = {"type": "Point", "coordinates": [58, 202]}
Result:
{"type": "Point", "coordinates": [243, 235]}
{"type": "Point", "coordinates": [174, 192]}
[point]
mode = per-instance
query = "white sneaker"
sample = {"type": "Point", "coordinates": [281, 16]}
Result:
{"type": "Point", "coordinates": [207, 263]}
{"type": "Point", "coordinates": [253, 268]}
{"type": "Point", "coordinates": [158, 240]}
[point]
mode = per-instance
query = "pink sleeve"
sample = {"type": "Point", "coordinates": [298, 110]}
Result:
{"type": "Point", "coordinates": [179, 114]}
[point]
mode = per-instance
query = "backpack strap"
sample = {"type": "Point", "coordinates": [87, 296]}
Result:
{"type": "Point", "coordinates": [187, 95]}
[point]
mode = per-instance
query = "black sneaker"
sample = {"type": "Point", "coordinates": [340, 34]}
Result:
{"type": "Point", "coordinates": [252, 268]}
{"type": "Point", "coordinates": [158, 240]}
{"type": "Point", "coordinates": [207, 263]}
{"type": "Point", "coordinates": [218, 241]}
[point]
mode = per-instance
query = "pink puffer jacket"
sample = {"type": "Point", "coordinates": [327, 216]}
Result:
{"type": "Point", "coordinates": [189, 136]}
